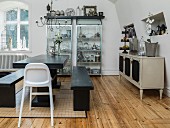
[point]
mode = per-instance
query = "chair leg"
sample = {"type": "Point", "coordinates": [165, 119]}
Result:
{"type": "Point", "coordinates": [21, 107]}
{"type": "Point", "coordinates": [51, 105]}
{"type": "Point", "coordinates": [30, 97]}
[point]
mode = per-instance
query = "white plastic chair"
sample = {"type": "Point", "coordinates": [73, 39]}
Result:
{"type": "Point", "coordinates": [37, 75]}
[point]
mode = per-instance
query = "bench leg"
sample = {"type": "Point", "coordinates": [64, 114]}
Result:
{"type": "Point", "coordinates": [7, 96]}
{"type": "Point", "coordinates": [81, 100]}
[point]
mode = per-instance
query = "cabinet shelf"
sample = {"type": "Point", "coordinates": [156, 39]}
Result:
{"type": "Point", "coordinates": [64, 39]}
{"type": "Point", "coordinates": [95, 74]}
{"type": "Point", "coordinates": [89, 39]}
{"type": "Point", "coordinates": [89, 62]}
{"type": "Point", "coordinates": [65, 53]}
{"type": "Point", "coordinates": [74, 17]}
{"type": "Point", "coordinates": [64, 74]}
{"type": "Point", "coordinates": [123, 48]}
{"type": "Point", "coordinates": [89, 50]}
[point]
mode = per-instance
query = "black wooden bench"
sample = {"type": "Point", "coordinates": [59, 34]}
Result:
{"type": "Point", "coordinates": [81, 85]}
{"type": "Point", "coordinates": [7, 88]}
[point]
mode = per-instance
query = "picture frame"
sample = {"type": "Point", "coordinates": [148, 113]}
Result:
{"type": "Point", "coordinates": [90, 10]}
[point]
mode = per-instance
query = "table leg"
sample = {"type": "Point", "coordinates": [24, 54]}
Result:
{"type": "Point", "coordinates": [55, 83]}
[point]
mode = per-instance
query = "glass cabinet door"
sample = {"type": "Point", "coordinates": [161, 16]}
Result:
{"type": "Point", "coordinates": [59, 42]}
{"type": "Point", "coordinates": [89, 42]}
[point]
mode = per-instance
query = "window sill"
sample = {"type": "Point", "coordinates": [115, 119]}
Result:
{"type": "Point", "coordinates": [16, 51]}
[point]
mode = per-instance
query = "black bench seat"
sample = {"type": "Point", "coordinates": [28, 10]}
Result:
{"type": "Point", "coordinates": [7, 88]}
{"type": "Point", "coordinates": [81, 85]}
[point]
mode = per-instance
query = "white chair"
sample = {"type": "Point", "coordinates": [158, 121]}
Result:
{"type": "Point", "coordinates": [37, 75]}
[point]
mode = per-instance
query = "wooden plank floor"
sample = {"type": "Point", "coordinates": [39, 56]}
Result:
{"type": "Point", "coordinates": [114, 104]}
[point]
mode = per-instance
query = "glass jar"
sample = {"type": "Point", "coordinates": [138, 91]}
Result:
{"type": "Point", "coordinates": [97, 57]}
{"type": "Point", "coordinates": [141, 49]}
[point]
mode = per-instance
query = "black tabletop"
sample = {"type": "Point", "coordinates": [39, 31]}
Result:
{"type": "Point", "coordinates": [53, 62]}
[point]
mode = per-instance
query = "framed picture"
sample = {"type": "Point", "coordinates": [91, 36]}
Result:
{"type": "Point", "coordinates": [90, 10]}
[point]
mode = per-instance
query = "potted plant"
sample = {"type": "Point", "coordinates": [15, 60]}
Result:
{"type": "Point", "coordinates": [150, 47]}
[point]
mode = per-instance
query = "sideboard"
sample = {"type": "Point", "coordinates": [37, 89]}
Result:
{"type": "Point", "coordinates": [144, 72]}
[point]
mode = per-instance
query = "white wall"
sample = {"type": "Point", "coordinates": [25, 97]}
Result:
{"type": "Point", "coordinates": [111, 28]}
{"type": "Point", "coordinates": [133, 11]}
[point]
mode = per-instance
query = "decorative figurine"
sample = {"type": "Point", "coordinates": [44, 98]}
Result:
{"type": "Point", "coordinates": [163, 29]}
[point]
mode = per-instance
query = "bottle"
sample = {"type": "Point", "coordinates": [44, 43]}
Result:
{"type": "Point", "coordinates": [82, 11]}
{"type": "Point", "coordinates": [141, 48]}
{"type": "Point", "coordinates": [97, 57]}
{"type": "Point", "coordinates": [80, 33]}
{"type": "Point", "coordinates": [78, 11]}
{"type": "Point", "coordinates": [10, 43]}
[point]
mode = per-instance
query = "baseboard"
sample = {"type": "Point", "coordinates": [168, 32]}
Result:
{"type": "Point", "coordinates": [110, 72]}
{"type": "Point", "coordinates": [167, 92]}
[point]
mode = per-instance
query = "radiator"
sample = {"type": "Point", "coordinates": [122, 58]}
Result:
{"type": "Point", "coordinates": [6, 61]}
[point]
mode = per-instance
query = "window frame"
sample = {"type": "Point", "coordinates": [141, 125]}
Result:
{"type": "Point", "coordinates": [19, 23]}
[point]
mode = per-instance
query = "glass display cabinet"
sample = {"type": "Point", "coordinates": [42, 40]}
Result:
{"type": "Point", "coordinates": [59, 41]}
{"type": "Point", "coordinates": [89, 45]}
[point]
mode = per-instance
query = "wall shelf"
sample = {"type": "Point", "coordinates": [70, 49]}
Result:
{"type": "Point", "coordinates": [74, 17]}
{"type": "Point", "coordinates": [159, 26]}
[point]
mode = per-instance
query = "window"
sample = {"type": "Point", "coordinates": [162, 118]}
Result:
{"type": "Point", "coordinates": [15, 29]}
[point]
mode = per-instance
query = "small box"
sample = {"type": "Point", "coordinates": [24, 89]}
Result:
{"type": "Point", "coordinates": [95, 71]}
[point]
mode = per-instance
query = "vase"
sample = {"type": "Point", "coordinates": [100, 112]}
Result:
{"type": "Point", "coordinates": [151, 49]}
{"type": "Point", "coordinates": [59, 50]}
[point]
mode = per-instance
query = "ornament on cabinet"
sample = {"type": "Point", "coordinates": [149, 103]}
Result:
{"type": "Point", "coordinates": [125, 40]}
{"type": "Point", "coordinates": [163, 29]}
{"type": "Point", "coordinates": [82, 11]}
{"type": "Point", "coordinates": [90, 10]}
{"type": "Point", "coordinates": [61, 13]}
{"type": "Point", "coordinates": [70, 12]}
{"type": "Point", "coordinates": [149, 46]}
{"type": "Point", "coordinates": [78, 11]}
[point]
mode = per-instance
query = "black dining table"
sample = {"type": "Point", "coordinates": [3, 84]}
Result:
{"type": "Point", "coordinates": [54, 63]}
